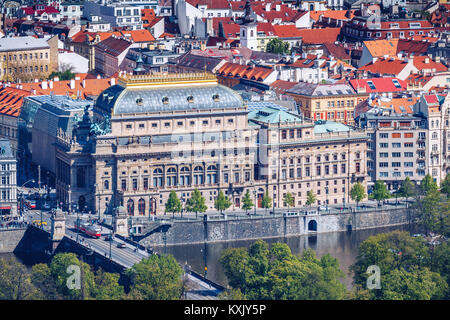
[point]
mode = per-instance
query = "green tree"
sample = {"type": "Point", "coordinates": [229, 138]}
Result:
{"type": "Point", "coordinates": [380, 192]}
{"type": "Point", "coordinates": [428, 184]}
{"type": "Point", "coordinates": [42, 279]}
{"type": "Point", "coordinates": [107, 286]}
{"type": "Point", "coordinates": [310, 198]}
{"type": "Point", "coordinates": [15, 282]}
{"type": "Point", "coordinates": [288, 200]}
{"type": "Point", "coordinates": [173, 204]}
{"type": "Point", "coordinates": [196, 203]}
{"type": "Point", "coordinates": [156, 278]}
{"type": "Point", "coordinates": [427, 209]}
{"type": "Point", "coordinates": [277, 46]}
{"type": "Point", "coordinates": [232, 294]}
{"type": "Point", "coordinates": [407, 189]}
{"type": "Point", "coordinates": [389, 251]}
{"type": "Point", "coordinates": [445, 185]}
{"type": "Point", "coordinates": [60, 271]}
{"type": "Point", "coordinates": [222, 203]}
{"type": "Point", "coordinates": [62, 75]}
{"type": "Point", "coordinates": [357, 193]}
{"type": "Point", "coordinates": [266, 201]}
{"type": "Point", "coordinates": [260, 273]}
{"type": "Point", "coordinates": [247, 202]}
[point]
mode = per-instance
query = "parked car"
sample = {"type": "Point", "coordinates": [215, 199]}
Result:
{"type": "Point", "coordinates": [47, 206]}
{"type": "Point", "coordinates": [108, 237]}
{"type": "Point", "coordinates": [121, 245]}
{"type": "Point", "coordinates": [322, 208]}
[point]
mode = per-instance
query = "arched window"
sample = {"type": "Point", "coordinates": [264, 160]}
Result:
{"type": "Point", "coordinates": [157, 177]}
{"type": "Point", "coordinates": [211, 176]}
{"type": "Point", "coordinates": [171, 178]}
{"type": "Point", "coordinates": [141, 207]}
{"type": "Point", "coordinates": [198, 175]}
{"type": "Point", "coordinates": [106, 185]}
{"type": "Point", "coordinates": [130, 207]}
{"type": "Point", "coordinates": [185, 176]}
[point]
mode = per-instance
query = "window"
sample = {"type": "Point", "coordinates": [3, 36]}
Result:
{"type": "Point", "coordinates": [106, 185]}
{"type": "Point", "coordinates": [343, 168]}
{"type": "Point", "coordinates": [396, 135]}
{"type": "Point", "coordinates": [124, 184]}
{"type": "Point", "coordinates": [396, 145]}
{"type": "Point", "coordinates": [384, 135]}
{"type": "Point", "coordinates": [409, 154]}
{"type": "Point", "coordinates": [396, 164]}
{"type": "Point", "coordinates": [396, 154]}
{"type": "Point", "coordinates": [384, 164]}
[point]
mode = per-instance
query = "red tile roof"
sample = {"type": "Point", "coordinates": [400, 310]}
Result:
{"type": "Point", "coordinates": [281, 86]}
{"type": "Point", "coordinates": [242, 71]}
{"type": "Point", "coordinates": [380, 84]}
{"type": "Point", "coordinates": [287, 31]}
{"type": "Point", "coordinates": [11, 100]}
{"type": "Point", "coordinates": [389, 66]}
{"type": "Point", "coordinates": [425, 62]}
{"type": "Point", "coordinates": [319, 36]}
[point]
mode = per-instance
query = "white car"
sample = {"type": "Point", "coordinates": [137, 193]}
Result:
{"type": "Point", "coordinates": [322, 208]}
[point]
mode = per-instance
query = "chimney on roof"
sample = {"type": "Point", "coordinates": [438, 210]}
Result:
{"type": "Point", "coordinates": [399, 55]}
{"type": "Point", "coordinates": [36, 80]}
{"type": "Point", "coordinates": [56, 79]}
{"type": "Point", "coordinates": [427, 60]}
{"type": "Point", "coordinates": [277, 7]}
{"type": "Point", "coordinates": [113, 81]}
{"type": "Point", "coordinates": [50, 84]}
{"type": "Point", "coordinates": [72, 84]}
{"type": "Point", "coordinates": [83, 83]}
{"type": "Point", "coordinates": [77, 78]}
{"type": "Point", "coordinates": [268, 5]}
{"type": "Point", "coordinates": [98, 76]}
{"type": "Point", "coordinates": [44, 85]}
{"type": "Point", "coordinates": [34, 91]}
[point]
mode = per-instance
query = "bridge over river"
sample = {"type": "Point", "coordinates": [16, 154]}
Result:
{"type": "Point", "coordinates": [120, 252]}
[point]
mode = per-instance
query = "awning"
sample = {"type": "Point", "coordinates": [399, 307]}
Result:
{"type": "Point", "coordinates": [4, 208]}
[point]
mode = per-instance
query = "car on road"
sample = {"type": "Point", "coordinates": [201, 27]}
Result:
{"type": "Point", "coordinates": [322, 208]}
{"type": "Point", "coordinates": [121, 245]}
{"type": "Point", "coordinates": [47, 206]}
{"type": "Point", "coordinates": [108, 237]}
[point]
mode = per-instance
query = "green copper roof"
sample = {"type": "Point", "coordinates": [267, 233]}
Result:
{"type": "Point", "coordinates": [323, 126]}
{"type": "Point", "coordinates": [272, 115]}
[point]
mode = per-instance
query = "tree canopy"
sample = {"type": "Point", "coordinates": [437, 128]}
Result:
{"type": "Point", "coordinates": [380, 191]}
{"type": "Point", "coordinates": [173, 204]}
{"type": "Point", "coordinates": [196, 203]}
{"type": "Point", "coordinates": [357, 193]}
{"type": "Point", "coordinates": [310, 198]}
{"type": "Point", "coordinates": [247, 202]}
{"type": "Point", "coordinates": [404, 268]}
{"type": "Point", "coordinates": [277, 46]}
{"type": "Point", "coordinates": [156, 278]}
{"type": "Point", "coordinates": [260, 273]}
{"type": "Point", "coordinates": [222, 203]}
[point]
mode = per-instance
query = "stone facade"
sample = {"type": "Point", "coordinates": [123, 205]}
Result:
{"type": "Point", "coordinates": [273, 227]}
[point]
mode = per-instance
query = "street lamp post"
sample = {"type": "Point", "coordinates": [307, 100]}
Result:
{"type": "Point", "coordinates": [273, 203]}
{"type": "Point", "coordinates": [21, 196]}
{"type": "Point", "coordinates": [254, 193]}
{"type": "Point", "coordinates": [326, 192]}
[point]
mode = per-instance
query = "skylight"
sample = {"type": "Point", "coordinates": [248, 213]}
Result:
{"type": "Point", "coordinates": [396, 83]}
{"type": "Point", "coordinates": [371, 85]}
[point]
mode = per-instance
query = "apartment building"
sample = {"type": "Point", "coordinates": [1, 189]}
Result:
{"type": "Point", "coordinates": [27, 58]}
{"type": "Point", "coordinates": [8, 180]}
{"type": "Point", "coordinates": [335, 102]}
{"type": "Point", "coordinates": [397, 147]}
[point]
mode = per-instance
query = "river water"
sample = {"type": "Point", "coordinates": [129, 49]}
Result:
{"type": "Point", "coordinates": [341, 245]}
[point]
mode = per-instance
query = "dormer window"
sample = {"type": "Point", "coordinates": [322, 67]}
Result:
{"type": "Point", "coordinates": [190, 99]}
{"type": "Point", "coordinates": [139, 101]}
{"type": "Point", "coordinates": [165, 100]}
{"type": "Point", "coordinates": [215, 98]}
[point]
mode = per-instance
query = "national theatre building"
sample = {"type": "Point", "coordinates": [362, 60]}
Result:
{"type": "Point", "coordinates": [151, 134]}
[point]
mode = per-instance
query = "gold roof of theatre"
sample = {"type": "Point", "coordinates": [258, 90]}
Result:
{"type": "Point", "coordinates": [166, 79]}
